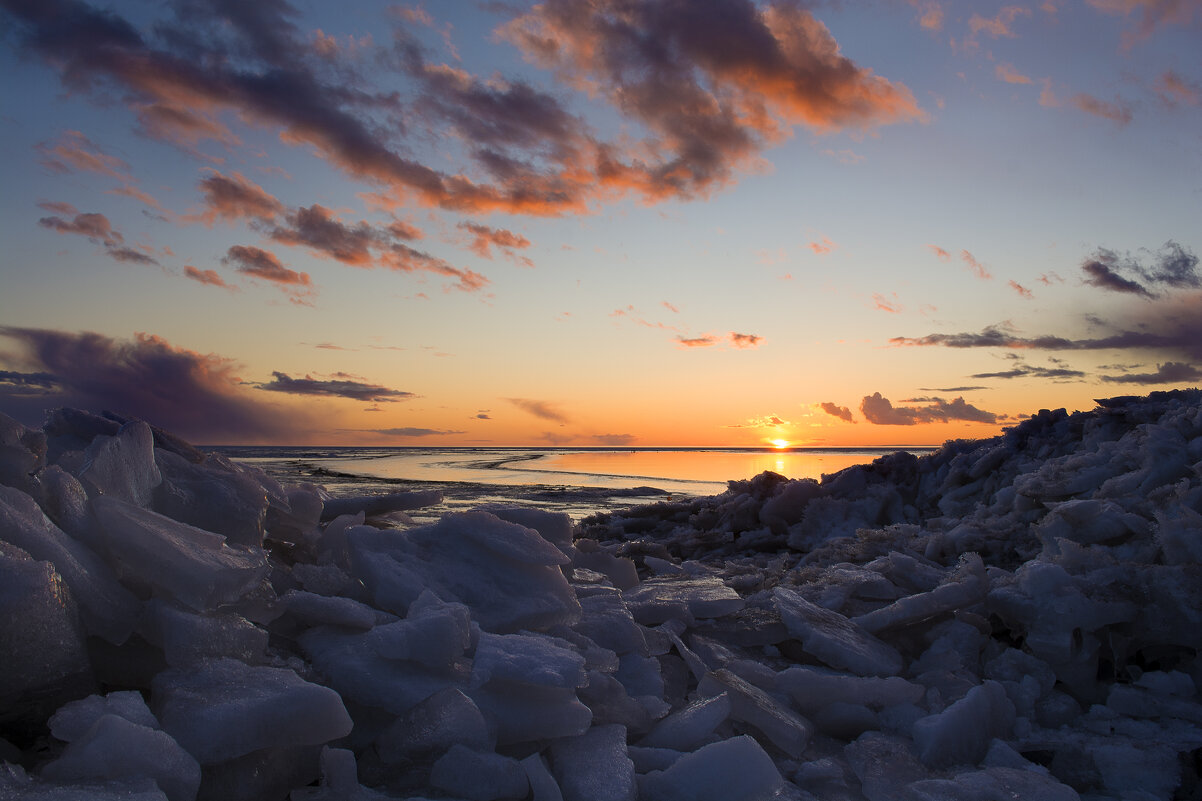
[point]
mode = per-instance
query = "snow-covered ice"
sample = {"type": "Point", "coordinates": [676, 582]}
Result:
{"type": "Point", "coordinates": [1017, 618]}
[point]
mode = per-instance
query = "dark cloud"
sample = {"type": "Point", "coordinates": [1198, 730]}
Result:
{"type": "Point", "coordinates": [484, 239]}
{"type": "Point", "coordinates": [746, 340]}
{"type": "Point", "coordinates": [1032, 371]}
{"type": "Point", "coordinates": [952, 389]}
{"type": "Point", "coordinates": [842, 412]}
{"type": "Point", "coordinates": [1171, 266]}
{"type": "Point", "coordinates": [98, 229]}
{"type": "Point", "coordinates": [411, 432]}
{"type": "Point", "coordinates": [31, 380]}
{"type": "Point", "coordinates": [207, 277]}
{"type": "Point", "coordinates": [697, 342]}
{"type": "Point", "coordinates": [192, 394]}
{"type": "Point", "coordinates": [538, 408]}
{"type": "Point", "coordinates": [1167, 373]}
{"type": "Point", "coordinates": [260, 263]}
{"type": "Point", "coordinates": [880, 411]}
{"type": "Point", "coordinates": [1103, 276]}
{"type": "Point", "coordinates": [341, 388]}
{"type": "Point", "coordinates": [315, 228]}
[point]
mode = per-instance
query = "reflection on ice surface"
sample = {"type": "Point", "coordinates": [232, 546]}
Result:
{"type": "Point", "coordinates": [1017, 618]}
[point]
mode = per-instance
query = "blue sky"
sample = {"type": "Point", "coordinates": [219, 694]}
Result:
{"type": "Point", "coordinates": [635, 223]}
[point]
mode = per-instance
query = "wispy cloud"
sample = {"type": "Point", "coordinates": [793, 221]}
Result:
{"type": "Point", "coordinates": [745, 341]}
{"type": "Point", "coordinates": [1000, 26]}
{"type": "Point", "coordinates": [1022, 291]}
{"type": "Point", "coordinates": [842, 412]}
{"type": "Point", "coordinates": [540, 409]}
{"type": "Point", "coordinates": [1175, 90]}
{"type": "Point", "coordinates": [97, 228]}
{"type": "Point", "coordinates": [410, 431]}
{"type": "Point", "coordinates": [1118, 112]}
{"type": "Point", "coordinates": [1167, 373]}
{"type": "Point", "coordinates": [207, 277]}
{"type": "Point", "coordinates": [977, 269]}
{"type": "Point", "coordinates": [1172, 267]}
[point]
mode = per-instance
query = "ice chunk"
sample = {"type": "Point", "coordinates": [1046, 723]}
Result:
{"type": "Point", "coordinates": [22, 452]}
{"type": "Point", "coordinates": [554, 527]}
{"type": "Point", "coordinates": [224, 709]}
{"type": "Point", "coordinates": [106, 608]}
{"type": "Point", "coordinates": [123, 466]}
{"type": "Point", "coordinates": [117, 748]}
{"type": "Point", "coordinates": [445, 718]}
{"type": "Point", "coordinates": [526, 659]}
{"type": "Point", "coordinates": [885, 765]}
{"type": "Point", "coordinates": [65, 501]}
{"type": "Point", "coordinates": [45, 661]}
{"type": "Point", "coordinates": [961, 733]}
{"type": "Point", "coordinates": [339, 780]}
{"type": "Point", "coordinates": [434, 634]}
{"type": "Point", "coordinates": [479, 776]}
{"type": "Point", "coordinates": [594, 766]}
{"type": "Point", "coordinates": [966, 587]}
{"type": "Point", "coordinates": [524, 713]}
{"type": "Point", "coordinates": [606, 621]}
{"type": "Point", "coordinates": [668, 597]}
{"type": "Point", "coordinates": [16, 784]}
{"type": "Point", "coordinates": [737, 769]}
{"type": "Point", "coordinates": [686, 728]}
{"type": "Point", "coordinates": [375, 505]}
{"type": "Point", "coordinates": [834, 639]}
{"type": "Point", "coordinates": [316, 610]}
{"type": "Point", "coordinates": [73, 720]}
{"type": "Point", "coordinates": [990, 784]}
{"type": "Point", "coordinates": [543, 786]}
{"type": "Point", "coordinates": [787, 730]}
{"type": "Point", "coordinates": [188, 638]}
{"type": "Point", "coordinates": [177, 561]}
{"type": "Point", "coordinates": [216, 495]}
{"type": "Point", "coordinates": [812, 688]}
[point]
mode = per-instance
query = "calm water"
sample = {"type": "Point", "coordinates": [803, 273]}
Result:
{"type": "Point", "coordinates": [578, 481]}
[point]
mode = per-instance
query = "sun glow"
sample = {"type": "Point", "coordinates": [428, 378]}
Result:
{"type": "Point", "coordinates": [780, 444]}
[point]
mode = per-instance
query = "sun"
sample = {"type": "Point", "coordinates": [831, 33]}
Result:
{"type": "Point", "coordinates": [780, 444]}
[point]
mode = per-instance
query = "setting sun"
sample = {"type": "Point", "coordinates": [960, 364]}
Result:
{"type": "Point", "coordinates": [780, 444]}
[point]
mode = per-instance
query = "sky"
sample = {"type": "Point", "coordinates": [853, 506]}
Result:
{"type": "Point", "coordinates": [597, 222]}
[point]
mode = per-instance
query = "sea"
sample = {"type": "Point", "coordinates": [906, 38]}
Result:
{"type": "Point", "coordinates": [578, 481]}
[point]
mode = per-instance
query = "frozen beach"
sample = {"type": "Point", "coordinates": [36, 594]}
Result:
{"type": "Point", "coordinates": [1011, 618]}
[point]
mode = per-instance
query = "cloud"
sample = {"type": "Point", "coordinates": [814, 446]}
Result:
{"type": "Point", "coordinates": [615, 439]}
{"type": "Point", "coordinates": [341, 388]}
{"type": "Point", "coordinates": [880, 411]}
{"type": "Point", "coordinates": [235, 198]}
{"type": "Point", "coordinates": [1116, 112]}
{"type": "Point", "coordinates": [999, 26]}
{"type": "Point", "coordinates": [882, 303]}
{"type": "Point", "coordinates": [1171, 266]}
{"type": "Point", "coordinates": [745, 341]}
{"type": "Point", "coordinates": [130, 255]}
{"type": "Point", "coordinates": [842, 412]}
{"type": "Point", "coordinates": [259, 263]}
{"type": "Point", "coordinates": [930, 14]}
{"type": "Point", "coordinates": [697, 342]}
{"type": "Point", "coordinates": [412, 432]}
{"type": "Point", "coordinates": [1022, 291]}
{"type": "Point", "coordinates": [1152, 14]}
{"type": "Point", "coordinates": [942, 254]}
{"type": "Point", "coordinates": [207, 277]}
{"type": "Point", "coordinates": [1175, 90]}
{"type": "Point", "coordinates": [1032, 371]}
{"type": "Point", "coordinates": [74, 151]}
{"type": "Point", "coordinates": [975, 266]}
{"type": "Point", "coordinates": [1167, 373]}
{"type": "Point", "coordinates": [723, 81]}
{"type": "Point", "coordinates": [39, 381]}
{"type": "Point", "coordinates": [540, 409]}
{"type": "Point", "coordinates": [823, 247]}
{"type": "Point", "coordinates": [97, 228]}
{"type": "Point", "coordinates": [194, 395]}
{"type": "Point", "coordinates": [1007, 73]}
{"type": "Point", "coordinates": [485, 238]}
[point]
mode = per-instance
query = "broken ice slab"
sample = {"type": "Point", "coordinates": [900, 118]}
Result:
{"type": "Point", "coordinates": [606, 621]}
{"type": "Point", "coordinates": [115, 748]}
{"type": "Point", "coordinates": [771, 716]}
{"type": "Point", "coordinates": [736, 769]}
{"type": "Point", "coordinates": [187, 638]}
{"type": "Point", "coordinates": [122, 466]}
{"type": "Point", "coordinates": [966, 586]}
{"type": "Point", "coordinates": [223, 709]}
{"type": "Point", "coordinates": [479, 775]}
{"type": "Point", "coordinates": [813, 688]}
{"type": "Point", "coordinates": [72, 720]}
{"type": "Point", "coordinates": [175, 560]}
{"type": "Point", "coordinates": [526, 659]}
{"type": "Point", "coordinates": [688, 727]}
{"type": "Point", "coordinates": [215, 495]}
{"type": "Point", "coordinates": [594, 766]}
{"type": "Point", "coordinates": [106, 608]}
{"type": "Point", "coordinates": [834, 639]}
{"type": "Point", "coordinates": [431, 727]}
{"type": "Point", "coordinates": [663, 598]}
{"type": "Point", "coordinates": [961, 733]}
{"type": "Point", "coordinates": [375, 505]}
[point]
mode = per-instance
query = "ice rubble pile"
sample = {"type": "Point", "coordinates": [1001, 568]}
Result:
{"type": "Point", "coordinates": [1010, 618]}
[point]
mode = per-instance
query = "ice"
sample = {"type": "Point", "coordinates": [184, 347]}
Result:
{"type": "Point", "coordinates": [543, 786]}
{"type": "Point", "coordinates": [375, 505]}
{"type": "Point", "coordinates": [834, 639]}
{"type": "Point", "coordinates": [665, 598]}
{"type": "Point", "coordinates": [966, 587]}
{"type": "Point", "coordinates": [813, 688]}
{"type": "Point", "coordinates": [594, 766]}
{"type": "Point", "coordinates": [223, 709]}
{"type": "Point", "coordinates": [990, 785]}
{"type": "Point", "coordinates": [607, 621]}
{"type": "Point", "coordinates": [106, 608]}
{"type": "Point", "coordinates": [65, 501]}
{"type": "Point", "coordinates": [435, 634]}
{"type": "Point", "coordinates": [117, 748]}
{"type": "Point", "coordinates": [479, 775]}
{"type": "Point", "coordinates": [45, 660]}
{"type": "Point", "coordinates": [177, 561]}
{"type": "Point", "coordinates": [885, 765]}
{"type": "Point", "coordinates": [736, 769]}
{"type": "Point", "coordinates": [187, 638]}
{"type": "Point", "coordinates": [961, 733]}
{"type": "Point", "coordinates": [526, 659]}
{"type": "Point", "coordinates": [690, 726]}
{"type": "Point", "coordinates": [339, 780]}
{"type": "Point", "coordinates": [22, 453]}
{"type": "Point", "coordinates": [215, 495]}
{"type": "Point", "coordinates": [432, 726]}
{"type": "Point", "coordinates": [123, 466]}
{"type": "Point", "coordinates": [73, 720]}
{"type": "Point", "coordinates": [317, 610]}
{"type": "Point", "coordinates": [774, 719]}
